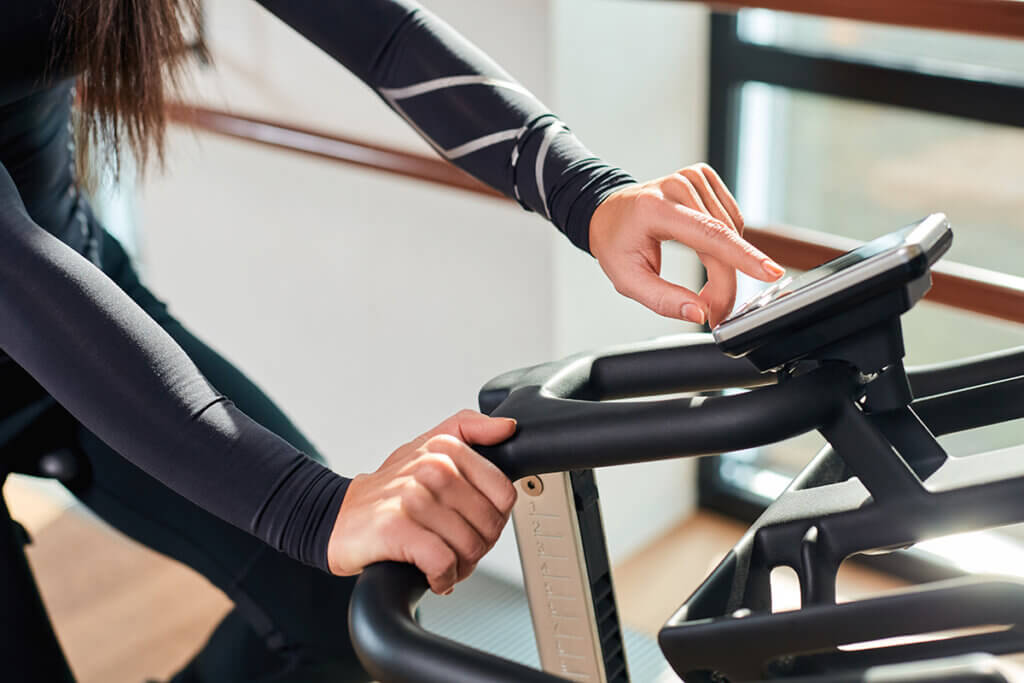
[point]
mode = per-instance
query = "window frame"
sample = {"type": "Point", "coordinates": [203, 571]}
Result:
{"type": "Point", "coordinates": [734, 62]}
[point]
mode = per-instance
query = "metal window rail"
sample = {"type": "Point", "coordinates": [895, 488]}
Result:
{"type": "Point", "coordinates": [964, 287]}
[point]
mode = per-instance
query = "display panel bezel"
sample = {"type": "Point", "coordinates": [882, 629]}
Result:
{"type": "Point", "coordinates": [898, 249]}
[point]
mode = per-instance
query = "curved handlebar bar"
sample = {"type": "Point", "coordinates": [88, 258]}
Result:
{"type": "Point", "coordinates": [393, 647]}
{"type": "Point", "coordinates": [564, 425]}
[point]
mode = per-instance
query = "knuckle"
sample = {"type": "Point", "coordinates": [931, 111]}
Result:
{"type": "Point", "coordinates": [466, 414]}
{"type": "Point", "coordinates": [706, 171]}
{"type": "Point", "coordinates": [494, 528]}
{"type": "Point", "coordinates": [506, 499]}
{"type": "Point", "coordinates": [681, 187]}
{"type": "Point", "coordinates": [649, 201]}
{"type": "Point", "coordinates": [713, 229]}
{"type": "Point", "coordinates": [434, 557]}
{"type": "Point", "coordinates": [692, 175]}
{"type": "Point", "coordinates": [442, 443]}
{"type": "Point", "coordinates": [680, 183]}
{"type": "Point", "coordinates": [662, 304]}
{"type": "Point", "coordinates": [477, 549]}
{"type": "Point", "coordinates": [435, 471]}
{"type": "Point", "coordinates": [433, 442]}
{"type": "Point", "coordinates": [412, 497]}
{"type": "Point", "coordinates": [677, 181]}
{"type": "Point", "coordinates": [444, 562]}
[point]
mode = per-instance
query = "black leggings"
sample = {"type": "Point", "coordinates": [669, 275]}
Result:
{"type": "Point", "coordinates": [290, 620]}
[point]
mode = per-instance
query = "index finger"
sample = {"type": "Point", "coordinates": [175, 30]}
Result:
{"type": "Point", "coordinates": [724, 195]}
{"type": "Point", "coordinates": [702, 232]}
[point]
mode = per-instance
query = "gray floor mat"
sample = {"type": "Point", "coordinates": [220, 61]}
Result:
{"type": "Point", "coordinates": [492, 615]}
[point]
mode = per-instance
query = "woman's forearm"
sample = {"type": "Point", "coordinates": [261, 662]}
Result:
{"type": "Point", "coordinates": [466, 106]}
{"type": "Point", "coordinates": [110, 365]}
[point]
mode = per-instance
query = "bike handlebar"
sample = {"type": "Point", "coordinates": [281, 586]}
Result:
{"type": "Point", "coordinates": [559, 434]}
{"type": "Point", "coordinates": [564, 425]}
{"type": "Point", "coordinates": [393, 647]}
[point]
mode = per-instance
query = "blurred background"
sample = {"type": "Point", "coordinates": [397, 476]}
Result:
{"type": "Point", "coordinates": [372, 305]}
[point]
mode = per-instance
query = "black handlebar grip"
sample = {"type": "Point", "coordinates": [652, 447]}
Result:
{"type": "Point", "coordinates": [697, 366]}
{"type": "Point", "coordinates": [559, 435]}
{"type": "Point", "coordinates": [395, 649]}
{"type": "Point", "coordinates": [683, 363]}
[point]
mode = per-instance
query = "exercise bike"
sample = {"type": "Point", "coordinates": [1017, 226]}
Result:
{"type": "Point", "coordinates": [821, 351]}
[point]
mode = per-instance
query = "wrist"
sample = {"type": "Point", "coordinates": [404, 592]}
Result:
{"type": "Point", "coordinates": [595, 203]}
{"type": "Point", "coordinates": [607, 215]}
{"type": "Point", "coordinates": [337, 554]}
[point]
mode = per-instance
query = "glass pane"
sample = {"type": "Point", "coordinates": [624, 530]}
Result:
{"type": "Point", "coordinates": [862, 170]}
{"type": "Point", "coordinates": [958, 54]}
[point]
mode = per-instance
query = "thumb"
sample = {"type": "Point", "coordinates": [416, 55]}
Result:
{"type": "Point", "coordinates": [475, 428]}
{"type": "Point", "coordinates": [487, 431]}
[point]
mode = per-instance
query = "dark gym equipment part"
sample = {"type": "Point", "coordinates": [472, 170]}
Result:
{"type": "Point", "coordinates": [34, 440]}
{"type": "Point", "coordinates": [850, 304]}
{"type": "Point", "coordinates": [976, 668]}
{"type": "Point", "coordinates": [883, 482]}
{"type": "Point", "coordinates": [825, 487]}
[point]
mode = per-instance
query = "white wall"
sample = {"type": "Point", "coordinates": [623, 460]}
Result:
{"type": "Point", "coordinates": [630, 78]}
{"type": "Point", "coordinates": [372, 306]}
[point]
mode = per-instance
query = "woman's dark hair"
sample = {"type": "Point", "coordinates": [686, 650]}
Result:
{"type": "Point", "coordinates": [129, 55]}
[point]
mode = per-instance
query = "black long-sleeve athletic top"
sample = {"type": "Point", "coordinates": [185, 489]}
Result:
{"type": "Point", "coordinates": [117, 371]}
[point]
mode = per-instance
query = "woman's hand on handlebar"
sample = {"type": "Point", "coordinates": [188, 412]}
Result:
{"type": "Point", "coordinates": [434, 503]}
{"type": "Point", "coordinates": [694, 207]}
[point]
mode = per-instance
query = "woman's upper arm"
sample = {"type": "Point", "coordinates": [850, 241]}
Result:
{"type": "Point", "coordinates": [354, 32]}
{"type": "Point", "coordinates": [464, 104]}
{"type": "Point", "coordinates": [121, 375]}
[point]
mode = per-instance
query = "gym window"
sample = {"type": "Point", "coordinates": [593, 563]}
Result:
{"type": "Point", "coordinates": [851, 128]}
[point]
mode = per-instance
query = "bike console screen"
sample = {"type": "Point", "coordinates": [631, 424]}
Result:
{"type": "Point", "coordinates": [880, 279]}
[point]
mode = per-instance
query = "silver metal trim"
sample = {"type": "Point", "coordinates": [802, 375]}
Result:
{"type": "Point", "coordinates": [923, 237]}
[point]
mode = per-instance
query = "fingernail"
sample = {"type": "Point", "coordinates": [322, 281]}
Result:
{"type": "Point", "coordinates": [449, 591]}
{"type": "Point", "coordinates": [512, 420]}
{"type": "Point", "coordinates": [772, 268]}
{"type": "Point", "coordinates": [693, 313]}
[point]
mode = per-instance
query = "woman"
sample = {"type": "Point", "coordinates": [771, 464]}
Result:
{"type": "Point", "coordinates": [218, 477]}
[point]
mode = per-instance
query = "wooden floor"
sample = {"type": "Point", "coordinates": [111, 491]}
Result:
{"type": "Point", "coordinates": [655, 581]}
{"type": "Point", "coordinates": [125, 614]}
